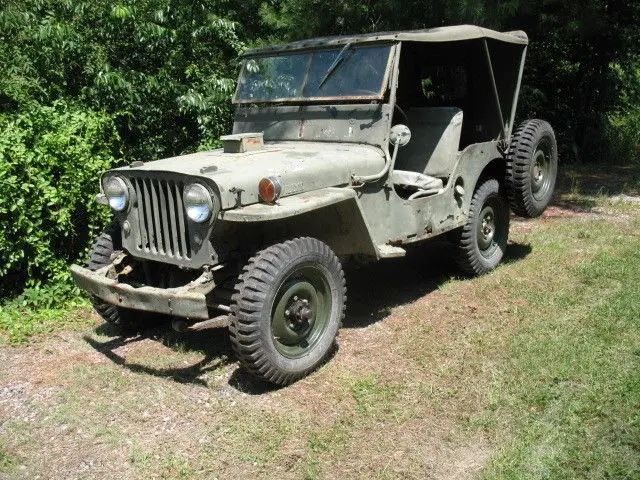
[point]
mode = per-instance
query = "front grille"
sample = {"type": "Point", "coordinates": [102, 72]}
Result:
{"type": "Point", "coordinates": [162, 224]}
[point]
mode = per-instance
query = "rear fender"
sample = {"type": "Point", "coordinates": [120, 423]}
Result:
{"type": "Point", "coordinates": [477, 162]}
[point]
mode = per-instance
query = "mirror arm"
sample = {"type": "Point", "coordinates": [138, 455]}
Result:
{"type": "Point", "coordinates": [400, 136]}
{"type": "Point", "coordinates": [389, 162]}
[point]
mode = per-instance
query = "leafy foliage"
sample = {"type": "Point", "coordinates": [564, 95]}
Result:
{"type": "Point", "coordinates": [50, 159]}
{"type": "Point", "coordinates": [86, 83]}
{"type": "Point", "coordinates": [164, 69]}
{"type": "Point", "coordinates": [42, 310]}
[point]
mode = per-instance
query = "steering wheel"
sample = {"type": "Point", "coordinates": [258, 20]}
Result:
{"type": "Point", "coordinates": [405, 119]}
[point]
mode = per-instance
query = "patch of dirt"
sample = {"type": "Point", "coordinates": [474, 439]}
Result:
{"type": "Point", "coordinates": [96, 399]}
{"type": "Point", "coordinates": [563, 210]}
{"type": "Point", "coordinates": [467, 460]}
{"type": "Point", "coordinates": [42, 362]}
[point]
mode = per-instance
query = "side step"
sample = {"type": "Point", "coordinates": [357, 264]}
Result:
{"type": "Point", "coordinates": [389, 251]}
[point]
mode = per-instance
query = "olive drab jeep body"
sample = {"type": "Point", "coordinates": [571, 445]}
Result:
{"type": "Point", "coordinates": [353, 146]}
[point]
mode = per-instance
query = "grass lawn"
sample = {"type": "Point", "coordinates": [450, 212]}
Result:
{"type": "Point", "coordinates": [532, 371]}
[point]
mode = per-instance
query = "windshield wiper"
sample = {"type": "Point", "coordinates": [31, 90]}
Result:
{"type": "Point", "coordinates": [336, 63]}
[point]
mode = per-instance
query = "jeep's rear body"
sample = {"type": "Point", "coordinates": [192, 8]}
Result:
{"type": "Point", "coordinates": [326, 127]}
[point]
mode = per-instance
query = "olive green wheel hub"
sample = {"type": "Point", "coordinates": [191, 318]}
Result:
{"type": "Point", "coordinates": [540, 175]}
{"type": "Point", "coordinates": [287, 309]}
{"type": "Point", "coordinates": [301, 311]}
{"type": "Point", "coordinates": [483, 239]}
{"type": "Point", "coordinates": [486, 231]}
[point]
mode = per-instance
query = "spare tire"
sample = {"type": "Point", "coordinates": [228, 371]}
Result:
{"type": "Point", "coordinates": [532, 168]}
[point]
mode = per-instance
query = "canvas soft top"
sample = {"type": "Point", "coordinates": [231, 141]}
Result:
{"type": "Point", "coordinates": [438, 34]}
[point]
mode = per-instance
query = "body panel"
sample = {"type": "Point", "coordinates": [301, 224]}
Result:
{"type": "Point", "coordinates": [347, 124]}
{"type": "Point", "coordinates": [395, 220]}
{"type": "Point", "coordinates": [289, 206]}
{"type": "Point", "coordinates": [300, 167]}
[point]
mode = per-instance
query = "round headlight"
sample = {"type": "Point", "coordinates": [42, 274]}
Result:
{"type": "Point", "coordinates": [117, 193]}
{"type": "Point", "coordinates": [197, 202]}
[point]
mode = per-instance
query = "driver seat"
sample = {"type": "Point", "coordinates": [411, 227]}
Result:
{"type": "Point", "coordinates": [431, 154]}
{"type": "Point", "coordinates": [416, 182]}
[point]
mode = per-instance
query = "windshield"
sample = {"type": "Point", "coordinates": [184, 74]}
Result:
{"type": "Point", "coordinates": [339, 73]}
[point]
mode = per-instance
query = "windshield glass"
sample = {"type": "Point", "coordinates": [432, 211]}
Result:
{"type": "Point", "coordinates": [337, 73]}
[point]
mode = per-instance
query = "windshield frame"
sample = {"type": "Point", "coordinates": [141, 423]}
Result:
{"type": "Point", "coordinates": [334, 99]}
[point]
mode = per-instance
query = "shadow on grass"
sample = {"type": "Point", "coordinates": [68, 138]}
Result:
{"type": "Point", "coordinates": [575, 204]}
{"type": "Point", "coordinates": [373, 290]}
{"type": "Point", "coordinates": [599, 180]}
{"type": "Point", "coordinates": [214, 344]}
{"type": "Point", "coordinates": [516, 252]}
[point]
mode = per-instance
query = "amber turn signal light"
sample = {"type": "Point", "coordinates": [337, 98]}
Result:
{"type": "Point", "coordinates": [269, 189]}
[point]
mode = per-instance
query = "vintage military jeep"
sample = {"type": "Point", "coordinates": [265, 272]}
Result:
{"type": "Point", "coordinates": [342, 147]}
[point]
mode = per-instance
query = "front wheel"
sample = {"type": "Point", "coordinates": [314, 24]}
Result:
{"type": "Point", "coordinates": [287, 309]}
{"type": "Point", "coordinates": [483, 239]}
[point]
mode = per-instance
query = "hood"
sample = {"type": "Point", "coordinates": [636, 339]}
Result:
{"type": "Point", "coordinates": [299, 166]}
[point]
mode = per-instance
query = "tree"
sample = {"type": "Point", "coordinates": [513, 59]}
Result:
{"type": "Point", "coordinates": [164, 68]}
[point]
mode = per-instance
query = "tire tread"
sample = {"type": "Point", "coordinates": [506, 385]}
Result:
{"type": "Point", "coordinates": [468, 257]}
{"type": "Point", "coordinates": [524, 142]}
{"type": "Point", "coordinates": [246, 339]}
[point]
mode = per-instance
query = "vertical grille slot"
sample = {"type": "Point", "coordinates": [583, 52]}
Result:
{"type": "Point", "coordinates": [163, 229]}
{"type": "Point", "coordinates": [143, 240]}
{"type": "Point", "coordinates": [164, 216]}
{"type": "Point", "coordinates": [148, 215]}
{"type": "Point", "coordinates": [173, 219]}
{"type": "Point", "coordinates": [156, 207]}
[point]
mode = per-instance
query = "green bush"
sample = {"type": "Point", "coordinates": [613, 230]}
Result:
{"type": "Point", "coordinates": [163, 69]}
{"type": "Point", "coordinates": [50, 160]}
{"type": "Point", "coordinates": [623, 134]}
{"type": "Point", "coordinates": [84, 82]}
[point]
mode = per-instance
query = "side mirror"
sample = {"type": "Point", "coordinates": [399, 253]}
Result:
{"type": "Point", "coordinates": [400, 135]}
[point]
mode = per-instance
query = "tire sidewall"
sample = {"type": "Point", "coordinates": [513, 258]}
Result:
{"type": "Point", "coordinates": [490, 192]}
{"type": "Point", "coordinates": [527, 140]}
{"type": "Point", "coordinates": [326, 341]}
{"type": "Point", "coordinates": [545, 140]}
{"type": "Point", "coordinates": [102, 250]}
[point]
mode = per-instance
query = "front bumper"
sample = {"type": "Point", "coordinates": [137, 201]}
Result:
{"type": "Point", "coordinates": [188, 301]}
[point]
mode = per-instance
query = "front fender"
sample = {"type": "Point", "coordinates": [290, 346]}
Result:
{"type": "Point", "coordinates": [289, 206]}
{"type": "Point", "coordinates": [333, 215]}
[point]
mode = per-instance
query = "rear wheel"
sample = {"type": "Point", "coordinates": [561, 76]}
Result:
{"type": "Point", "coordinates": [532, 168]}
{"type": "Point", "coordinates": [287, 309]}
{"type": "Point", "coordinates": [483, 240]}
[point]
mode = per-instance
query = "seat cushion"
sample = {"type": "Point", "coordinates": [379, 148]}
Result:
{"type": "Point", "coordinates": [415, 180]}
{"type": "Point", "coordinates": [435, 139]}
